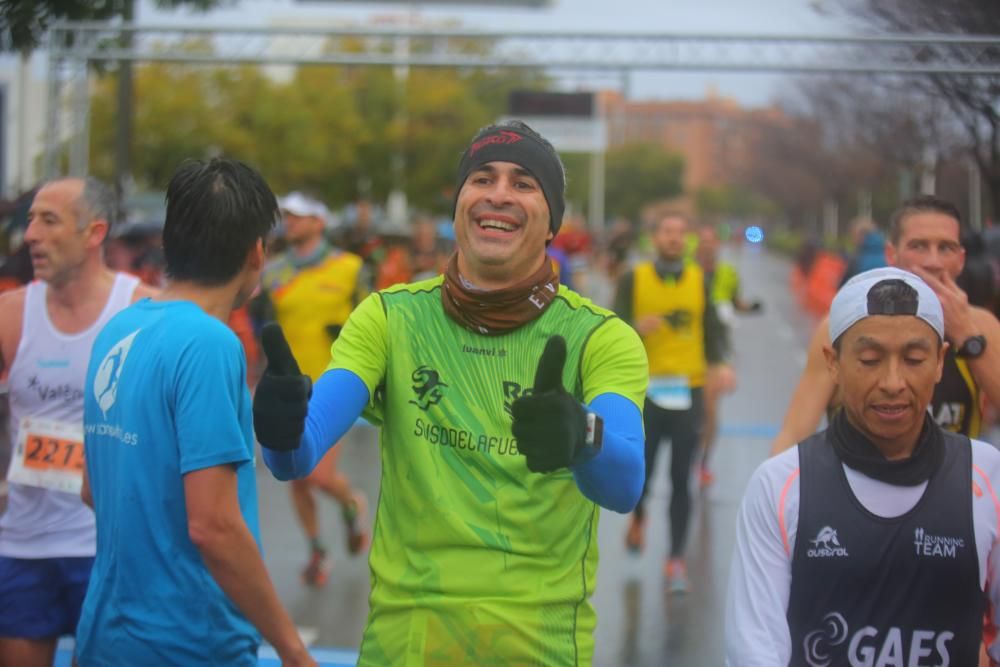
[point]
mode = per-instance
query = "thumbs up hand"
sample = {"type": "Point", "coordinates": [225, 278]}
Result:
{"type": "Point", "coordinates": [549, 424]}
{"type": "Point", "coordinates": [281, 401]}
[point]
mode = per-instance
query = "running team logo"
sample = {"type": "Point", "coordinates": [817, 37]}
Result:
{"type": "Point", "coordinates": [826, 545]}
{"type": "Point", "coordinates": [868, 646]}
{"type": "Point", "coordinates": [511, 392]}
{"type": "Point", "coordinates": [427, 386]}
{"type": "Point", "coordinates": [936, 546]}
{"type": "Point", "coordinates": [110, 372]}
{"type": "Point", "coordinates": [818, 643]}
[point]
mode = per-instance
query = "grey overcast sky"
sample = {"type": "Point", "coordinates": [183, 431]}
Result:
{"type": "Point", "coordinates": [811, 17]}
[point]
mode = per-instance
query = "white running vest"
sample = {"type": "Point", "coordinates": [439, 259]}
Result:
{"type": "Point", "coordinates": [46, 380]}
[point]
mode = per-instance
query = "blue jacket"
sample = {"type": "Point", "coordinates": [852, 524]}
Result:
{"type": "Point", "coordinates": [869, 255]}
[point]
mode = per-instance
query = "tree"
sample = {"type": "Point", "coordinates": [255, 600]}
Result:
{"type": "Point", "coordinates": [23, 23]}
{"type": "Point", "coordinates": [324, 130]}
{"type": "Point", "coordinates": [789, 166]}
{"type": "Point", "coordinates": [732, 201]}
{"type": "Point", "coordinates": [638, 174]}
{"type": "Point", "coordinates": [974, 100]}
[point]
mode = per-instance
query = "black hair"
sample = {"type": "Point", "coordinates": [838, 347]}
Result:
{"type": "Point", "coordinates": [921, 204]}
{"type": "Point", "coordinates": [216, 212]}
{"type": "Point", "coordinates": [889, 297]}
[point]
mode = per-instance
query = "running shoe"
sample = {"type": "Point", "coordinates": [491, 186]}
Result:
{"type": "Point", "coordinates": [705, 476]}
{"type": "Point", "coordinates": [677, 579]}
{"type": "Point", "coordinates": [635, 538]}
{"type": "Point", "coordinates": [355, 519]}
{"type": "Point", "coordinates": [317, 571]}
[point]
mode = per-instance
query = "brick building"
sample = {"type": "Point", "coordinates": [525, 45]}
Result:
{"type": "Point", "coordinates": [716, 136]}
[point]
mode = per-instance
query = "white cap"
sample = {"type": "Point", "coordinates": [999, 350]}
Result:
{"type": "Point", "coordinates": [299, 204]}
{"type": "Point", "coordinates": [850, 305]}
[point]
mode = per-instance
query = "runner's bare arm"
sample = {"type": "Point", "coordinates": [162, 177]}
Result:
{"type": "Point", "coordinates": [217, 529]}
{"type": "Point", "coordinates": [811, 398]}
{"type": "Point", "coordinates": [962, 320]}
{"type": "Point", "coordinates": [85, 495]}
{"type": "Point", "coordinates": [984, 368]}
{"type": "Point", "coordinates": [11, 317]}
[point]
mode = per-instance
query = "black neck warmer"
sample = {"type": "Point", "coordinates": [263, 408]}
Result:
{"type": "Point", "coordinates": [858, 452]}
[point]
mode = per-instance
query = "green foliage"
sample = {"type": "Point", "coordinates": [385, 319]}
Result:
{"type": "Point", "coordinates": [732, 201]}
{"type": "Point", "coordinates": [23, 22]}
{"type": "Point", "coordinates": [638, 174]}
{"type": "Point", "coordinates": [331, 131]}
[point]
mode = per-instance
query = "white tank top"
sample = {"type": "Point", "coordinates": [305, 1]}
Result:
{"type": "Point", "coordinates": [47, 380]}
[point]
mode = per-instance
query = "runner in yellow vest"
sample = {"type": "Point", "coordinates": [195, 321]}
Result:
{"type": "Point", "coordinates": [667, 303]}
{"type": "Point", "coordinates": [312, 288]}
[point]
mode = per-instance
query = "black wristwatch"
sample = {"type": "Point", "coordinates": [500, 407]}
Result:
{"type": "Point", "coordinates": [972, 348]}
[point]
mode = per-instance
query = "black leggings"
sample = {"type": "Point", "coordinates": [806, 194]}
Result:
{"type": "Point", "coordinates": [683, 428]}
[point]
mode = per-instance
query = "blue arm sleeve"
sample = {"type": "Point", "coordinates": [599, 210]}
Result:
{"type": "Point", "coordinates": [337, 400]}
{"type": "Point", "coordinates": [614, 478]}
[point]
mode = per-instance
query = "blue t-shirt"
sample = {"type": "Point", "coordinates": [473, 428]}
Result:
{"type": "Point", "coordinates": [165, 395]}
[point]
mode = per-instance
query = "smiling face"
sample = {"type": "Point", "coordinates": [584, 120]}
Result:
{"type": "Point", "coordinates": [886, 369]}
{"type": "Point", "coordinates": [501, 225]}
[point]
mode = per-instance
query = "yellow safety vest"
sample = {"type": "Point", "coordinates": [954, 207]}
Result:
{"type": "Point", "coordinates": [677, 347]}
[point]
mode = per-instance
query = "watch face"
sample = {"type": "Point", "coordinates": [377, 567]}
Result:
{"type": "Point", "coordinates": [973, 347]}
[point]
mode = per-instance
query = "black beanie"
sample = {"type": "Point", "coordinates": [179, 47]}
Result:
{"type": "Point", "coordinates": [510, 143]}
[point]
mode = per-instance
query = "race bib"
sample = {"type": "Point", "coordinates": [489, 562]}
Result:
{"type": "Point", "coordinates": [48, 455]}
{"type": "Point", "coordinates": [670, 392]}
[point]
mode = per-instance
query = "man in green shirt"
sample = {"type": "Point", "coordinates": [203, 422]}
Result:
{"type": "Point", "coordinates": [510, 411]}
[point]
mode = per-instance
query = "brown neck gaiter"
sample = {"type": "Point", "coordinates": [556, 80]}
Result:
{"type": "Point", "coordinates": [495, 312]}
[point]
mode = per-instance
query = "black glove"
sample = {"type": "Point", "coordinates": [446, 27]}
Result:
{"type": "Point", "coordinates": [756, 306]}
{"type": "Point", "coordinates": [281, 401]}
{"type": "Point", "coordinates": [549, 424]}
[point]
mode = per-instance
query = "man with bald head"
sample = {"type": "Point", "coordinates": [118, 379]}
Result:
{"type": "Point", "coordinates": [47, 537]}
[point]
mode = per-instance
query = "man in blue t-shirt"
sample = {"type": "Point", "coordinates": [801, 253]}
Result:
{"type": "Point", "coordinates": [178, 577]}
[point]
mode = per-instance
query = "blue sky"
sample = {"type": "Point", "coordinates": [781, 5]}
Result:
{"type": "Point", "coordinates": [811, 17]}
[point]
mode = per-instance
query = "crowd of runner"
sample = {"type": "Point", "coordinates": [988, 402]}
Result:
{"type": "Point", "coordinates": [511, 408]}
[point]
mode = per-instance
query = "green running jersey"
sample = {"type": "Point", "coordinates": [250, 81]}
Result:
{"type": "Point", "coordinates": [475, 560]}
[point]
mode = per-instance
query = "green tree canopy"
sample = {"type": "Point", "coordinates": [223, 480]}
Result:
{"type": "Point", "coordinates": [23, 23]}
{"type": "Point", "coordinates": [731, 200]}
{"type": "Point", "coordinates": [323, 129]}
{"type": "Point", "coordinates": [638, 174]}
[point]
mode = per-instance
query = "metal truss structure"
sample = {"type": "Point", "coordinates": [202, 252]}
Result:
{"type": "Point", "coordinates": [74, 47]}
